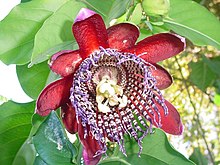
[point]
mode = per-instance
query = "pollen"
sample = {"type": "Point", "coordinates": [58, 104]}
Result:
{"type": "Point", "coordinates": [109, 94]}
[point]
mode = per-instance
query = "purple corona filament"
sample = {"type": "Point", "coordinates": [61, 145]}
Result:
{"type": "Point", "coordinates": [134, 76]}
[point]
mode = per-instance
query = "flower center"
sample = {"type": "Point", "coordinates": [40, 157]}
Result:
{"type": "Point", "coordinates": [114, 94]}
{"type": "Point", "coordinates": [109, 94]}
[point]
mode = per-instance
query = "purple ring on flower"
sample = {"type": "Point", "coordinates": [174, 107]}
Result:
{"type": "Point", "coordinates": [111, 86]}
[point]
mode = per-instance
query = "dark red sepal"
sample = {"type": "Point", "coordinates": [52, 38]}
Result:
{"type": "Point", "coordinates": [90, 33]}
{"type": "Point", "coordinates": [65, 62]}
{"type": "Point", "coordinates": [162, 76]}
{"type": "Point", "coordinates": [54, 95]}
{"type": "Point", "coordinates": [171, 123]}
{"type": "Point", "coordinates": [68, 116]}
{"type": "Point", "coordinates": [122, 36]}
{"type": "Point", "coordinates": [158, 47]}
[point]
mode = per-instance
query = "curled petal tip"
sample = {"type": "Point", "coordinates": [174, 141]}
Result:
{"type": "Point", "coordinates": [56, 55]}
{"type": "Point", "coordinates": [181, 129]}
{"type": "Point", "coordinates": [181, 39]}
{"type": "Point", "coordinates": [83, 14]}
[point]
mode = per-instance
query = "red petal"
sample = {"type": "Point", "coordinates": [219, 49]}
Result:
{"type": "Point", "coordinates": [65, 62]}
{"type": "Point", "coordinates": [158, 47]}
{"type": "Point", "coordinates": [90, 146]}
{"type": "Point", "coordinates": [171, 123]}
{"type": "Point", "coordinates": [68, 116]}
{"type": "Point", "coordinates": [90, 33]}
{"type": "Point", "coordinates": [54, 95]}
{"type": "Point", "coordinates": [164, 79]}
{"type": "Point", "coordinates": [122, 36]}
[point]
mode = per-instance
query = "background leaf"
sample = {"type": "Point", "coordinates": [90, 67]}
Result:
{"type": "Point", "coordinates": [205, 73]}
{"type": "Point", "coordinates": [15, 127]}
{"type": "Point", "coordinates": [156, 150]}
{"type": "Point", "coordinates": [194, 22]}
{"type": "Point", "coordinates": [198, 158]}
{"type": "Point", "coordinates": [201, 75]}
{"type": "Point", "coordinates": [110, 9]}
{"type": "Point", "coordinates": [56, 30]}
{"type": "Point", "coordinates": [34, 79]}
{"type": "Point", "coordinates": [25, 20]}
{"type": "Point", "coordinates": [52, 144]}
{"type": "Point", "coordinates": [217, 99]}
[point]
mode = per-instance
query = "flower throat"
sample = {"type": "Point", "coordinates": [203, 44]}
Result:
{"type": "Point", "coordinates": [114, 94]}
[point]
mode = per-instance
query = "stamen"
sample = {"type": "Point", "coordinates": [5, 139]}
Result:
{"type": "Point", "coordinates": [114, 94]}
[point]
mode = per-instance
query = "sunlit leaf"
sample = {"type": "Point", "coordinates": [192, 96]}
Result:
{"type": "Point", "coordinates": [136, 14]}
{"type": "Point", "coordinates": [193, 21]}
{"type": "Point", "coordinates": [15, 127]}
{"type": "Point", "coordinates": [56, 32]}
{"type": "Point", "coordinates": [110, 9]}
{"type": "Point", "coordinates": [52, 144]}
{"type": "Point", "coordinates": [18, 29]}
{"type": "Point", "coordinates": [217, 99]}
{"type": "Point", "coordinates": [66, 45]}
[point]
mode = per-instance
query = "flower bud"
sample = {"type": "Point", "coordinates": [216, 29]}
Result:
{"type": "Point", "coordinates": [156, 7]}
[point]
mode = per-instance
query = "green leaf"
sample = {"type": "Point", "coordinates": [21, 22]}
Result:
{"type": "Point", "coordinates": [15, 127]}
{"type": "Point", "coordinates": [198, 158]}
{"type": "Point", "coordinates": [23, 1]}
{"type": "Point", "coordinates": [18, 29]}
{"type": "Point", "coordinates": [136, 14]}
{"type": "Point", "coordinates": [55, 31]}
{"type": "Point", "coordinates": [201, 75]}
{"type": "Point", "coordinates": [3, 99]}
{"type": "Point", "coordinates": [39, 161]}
{"type": "Point", "coordinates": [213, 63]}
{"type": "Point", "coordinates": [34, 79]}
{"type": "Point", "coordinates": [66, 45]}
{"type": "Point", "coordinates": [115, 161]}
{"type": "Point", "coordinates": [51, 142]}
{"type": "Point", "coordinates": [26, 155]}
{"type": "Point", "coordinates": [110, 9]}
{"type": "Point", "coordinates": [156, 150]}
{"type": "Point", "coordinates": [217, 99]}
{"type": "Point", "coordinates": [36, 120]}
{"type": "Point", "coordinates": [194, 22]}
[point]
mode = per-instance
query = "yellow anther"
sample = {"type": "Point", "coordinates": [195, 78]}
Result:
{"type": "Point", "coordinates": [123, 102]}
{"type": "Point", "coordinates": [108, 90]}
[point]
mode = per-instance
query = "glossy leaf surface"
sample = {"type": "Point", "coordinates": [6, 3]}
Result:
{"type": "Point", "coordinates": [197, 23]}
{"type": "Point", "coordinates": [55, 30]}
{"type": "Point", "coordinates": [25, 20]}
{"type": "Point", "coordinates": [52, 144]}
{"type": "Point", "coordinates": [15, 127]}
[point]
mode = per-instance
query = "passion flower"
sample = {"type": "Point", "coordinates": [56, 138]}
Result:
{"type": "Point", "coordinates": [110, 86]}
